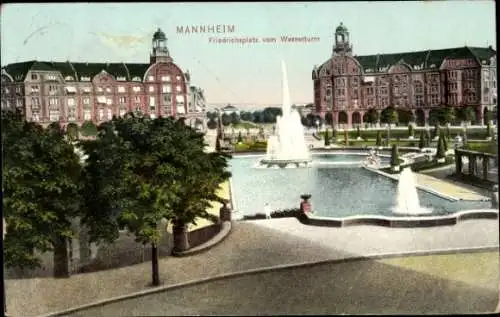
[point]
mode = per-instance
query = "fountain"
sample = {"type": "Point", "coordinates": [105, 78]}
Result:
{"type": "Point", "coordinates": [287, 146]}
{"type": "Point", "coordinates": [407, 202]}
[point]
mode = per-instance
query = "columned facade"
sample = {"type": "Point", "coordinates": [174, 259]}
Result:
{"type": "Point", "coordinates": [415, 82]}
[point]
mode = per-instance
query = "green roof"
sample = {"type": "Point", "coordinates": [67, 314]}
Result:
{"type": "Point", "coordinates": [425, 59]}
{"type": "Point", "coordinates": [128, 70]}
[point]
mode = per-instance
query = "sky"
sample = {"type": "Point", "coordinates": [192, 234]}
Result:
{"type": "Point", "coordinates": [240, 73]}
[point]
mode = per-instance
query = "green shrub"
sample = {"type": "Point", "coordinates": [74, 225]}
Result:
{"type": "Point", "coordinates": [327, 138]}
{"type": "Point", "coordinates": [285, 213]}
{"type": "Point", "coordinates": [88, 129]}
{"type": "Point", "coordinates": [395, 155]}
{"type": "Point", "coordinates": [440, 153]}
{"type": "Point", "coordinates": [421, 141]}
{"type": "Point", "coordinates": [378, 142]}
{"type": "Point", "coordinates": [410, 130]}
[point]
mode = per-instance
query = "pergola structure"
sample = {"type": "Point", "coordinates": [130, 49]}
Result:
{"type": "Point", "coordinates": [487, 161]}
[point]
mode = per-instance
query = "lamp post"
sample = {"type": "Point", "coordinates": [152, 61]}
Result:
{"type": "Point", "coordinates": [4, 297]}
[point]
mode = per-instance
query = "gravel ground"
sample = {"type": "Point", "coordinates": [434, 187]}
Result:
{"type": "Point", "coordinates": [359, 287]}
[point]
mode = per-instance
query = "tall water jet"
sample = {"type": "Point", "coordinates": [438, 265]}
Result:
{"type": "Point", "coordinates": [287, 146]}
{"type": "Point", "coordinates": [407, 201]}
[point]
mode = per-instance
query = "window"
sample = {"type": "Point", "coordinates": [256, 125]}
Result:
{"type": "Point", "coordinates": [87, 115]}
{"type": "Point", "coordinates": [122, 112]}
{"type": "Point", "coordinates": [52, 90]}
{"type": "Point", "coordinates": [137, 99]}
{"type": "Point", "coordinates": [6, 90]}
{"type": "Point", "coordinates": [136, 89]}
{"type": "Point", "coordinates": [101, 99]}
{"type": "Point", "coordinates": [121, 78]}
{"type": "Point", "coordinates": [369, 101]}
{"type": "Point", "coordinates": [71, 102]}
{"type": "Point", "coordinates": [101, 114]}
{"type": "Point", "coordinates": [177, 77]}
{"type": "Point", "coordinates": [167, 99]}
{"type": "Point", "coordinates": [99, 89]}
{"type": "Point", "coordinates": [86, 101]}
{"type": "Point", "coordinates": [178, 88]}
{"type": "Point", "coordinates": [19, 103]}
{"type": "Point", "coordinates": [123, 100]}
{"type": "Point", "coordinates": [51, 77]}
{"type": "Point", "coordinates": [121, 89]}
{"type": "Point", "coordinates": [108, 89]}
{"type": "Point", "coordinates": [85, 78]}
{"type": "Point", "coordinates": [35, 116]}
{"type": "Point", "coordinates": [165, 78]}
{"type": "Point", "coordinates": [151, 78]}
{"type": "Point", "coordinates": [35, 101]}
{"type": "Point", "coordinates": [86, 90]}
{"type": "Point", "coordinates": [34, 77]}
{"type": "Point", "coordinates": [434, 100]}
{"type": "Point", "coordinates": [68, 78]}
{"type": "Point", "coordinates": [151, 88]}
{"type": "Point", "coordinates": [19, 90]}
{"type": "Point", "coordinates": [181, 109]}
{"type": "Point", "coordinates": [152, 101]}
{"type": "Point", "coordinates": [136, 78]}
{"type": "Point", "coordinates": [70, 89]}
{"type": "Point", "coordinates": [54, 115]}
{"type": "Point", "coordinates": [166, 89]}
{"type": "Point", "coordinates": [110, 113]}
{"type": "Point", "coordinates": [53, 101]}
{"type": "Point", "coordinates": [179, 99]}
{"type": "Point", "coordinates": [109, 101]}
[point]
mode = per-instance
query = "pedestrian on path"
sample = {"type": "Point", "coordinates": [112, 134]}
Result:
{"type": "Point", "coordinates": [267, 211]}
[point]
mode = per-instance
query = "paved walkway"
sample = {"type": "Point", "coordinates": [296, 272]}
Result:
{"type": "Point", "coordinates": [449, 188]}
{"type": "Point", "coordinates": [360, 287]}
{"type": "Point", "coordinates": [251, 245]}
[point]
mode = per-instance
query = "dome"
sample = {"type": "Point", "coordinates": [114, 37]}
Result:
{"type": "Point", "coordinates": [159, 35]}
{"type": "Point", "coordinates": [341, 28]}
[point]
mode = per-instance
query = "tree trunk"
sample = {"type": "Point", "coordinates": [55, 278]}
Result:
{"type": "Point", "coordinates": [181, 240]}
{"type": "Point", "coordinates": [61, 258]}
{"type": "Point", "coordinates": [154, 265]}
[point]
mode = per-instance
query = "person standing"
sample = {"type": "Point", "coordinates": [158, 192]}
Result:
{"type": "Point", "coordinates": [267, 211]}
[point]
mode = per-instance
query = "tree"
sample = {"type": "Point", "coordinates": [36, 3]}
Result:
{"type": "Point", "coordinates": [240, 137]}
{"type": "Point", "coordinates": [440, 153]}
{"type": "Point", "coordinates": [468, 114]}
{"type": "Point", "coordinates": [427, 138]}
{"type": "Point", "coordinates": [72, 131]}
{"type": "Point", "coordinates": [371, 116]}
{"type": "Point", "coordinates": [226, 119]}
{"type": "Point", "coordinates": [446, 115]}
{"type": "Point", "coordinates": [488, 116]}
{"type": "Point", "coordinates": [212, 124]}
{"type": "Point", "coordinates": [329, 118]}
{"type": "Point", "coordinates": [421, 141]}
{"type": "Point", "coordinates": [218, 147]}
{"type": "Point", "coordinates": [246, 116]}
{"type": "Point", "coordinates": [311, 120]}
{"type": "Point", "coordinates": [42, 179]}
{"type": "Point", "coordinates": [389, 115]}
{"type": "Point", "coordinates": [378, 142]}
{"type": "Point", "coordinates": [394, 156]}
{"type": "Point", "coordinates": [88, 128]}
{"type": "Point", "coordinates": [410, 131]}
{"type": "Point", "coordinates": [327, 138]}
{"type": "Point", "coordinates": [334, 135]}
{"type": "Point", "coordinates": [258, 117]}
{"type": "Point", "coordinates": [235, 118]}
{"type": "Point", "coordinates": [436, 132]}
{"type": "Point", "coordinates": [358, 132]}
{"type": "Point", "coordinates": [212, 115]}
{"type": "Point", "coordinates": [489, 130]}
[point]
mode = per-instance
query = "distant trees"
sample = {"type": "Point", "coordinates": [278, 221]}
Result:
{"type": "Point", "coordinates": [371, 116]}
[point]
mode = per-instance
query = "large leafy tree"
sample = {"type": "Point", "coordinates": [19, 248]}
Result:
{"type": "Point", "coordinates": [446, 115]}
{"type": "Point", "coordinates": [371, 116]}
{"type": "Point", "coordinates": [41, 185]}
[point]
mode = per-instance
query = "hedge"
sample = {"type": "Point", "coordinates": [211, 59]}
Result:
{"type": "Point", "coordinates": [472, 133]}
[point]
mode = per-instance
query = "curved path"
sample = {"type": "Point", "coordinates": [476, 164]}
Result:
{"type": "Point", "coordinates": [250, 245]}
{"type": "Point", "coordinates": [358, 287]}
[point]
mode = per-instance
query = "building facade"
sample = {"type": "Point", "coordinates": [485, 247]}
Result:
{"type": "Point", "coordinates": [349, 85]}
{"type": "Point", "coordinates": [77, 92]}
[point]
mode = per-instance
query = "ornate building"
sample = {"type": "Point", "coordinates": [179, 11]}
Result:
{"type": "Point", "coordinates": [349, 85]}
{"type": "Point", "coordinates": [78, 92]}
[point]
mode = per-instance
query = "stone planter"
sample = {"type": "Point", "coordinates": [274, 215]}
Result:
{"type": "Point", "coordinates": [181, 238]}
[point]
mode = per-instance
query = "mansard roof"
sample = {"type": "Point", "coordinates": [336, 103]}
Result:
{"type": "Point", "coordinates": [430, 59]}
{"type": "Point", "coordinates": [128, 70]}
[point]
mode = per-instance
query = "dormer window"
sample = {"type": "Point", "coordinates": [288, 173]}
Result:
{"type": "Point", "coordinates": [69, 78]}
{"type": "Point", "coordinates": [121, 78]}
{"type": "Point", "coordinates": [136, 78]}
{"type": "Point", "coordinates": [51, 77]}
{"type": "Point", "coordinates": [151, 78]}
{"type": "Point", "coordinates": [177, 77]}
{"type": "Point", "coordinates": [85, 78]}
{"type": "Point", "coordinates": [34, 77]}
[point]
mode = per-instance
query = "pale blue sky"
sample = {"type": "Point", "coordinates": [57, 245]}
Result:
{"type": "Point", "coordinates": [242, 73]}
